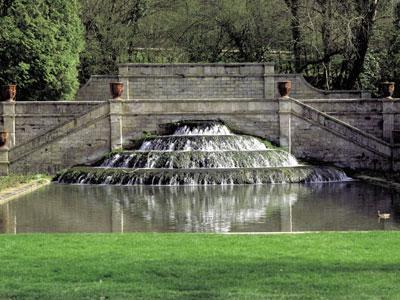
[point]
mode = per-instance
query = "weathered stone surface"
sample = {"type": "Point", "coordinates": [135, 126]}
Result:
{"type": "Point", "coordinates": [353, 133]}
{"type": "Point", "coordinates": [179, 81]}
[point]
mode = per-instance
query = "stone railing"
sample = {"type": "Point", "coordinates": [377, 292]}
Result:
{"type": "Point", "coordinates": [341, 128]}
{"type": "Point", "coordinates": [99, 112]}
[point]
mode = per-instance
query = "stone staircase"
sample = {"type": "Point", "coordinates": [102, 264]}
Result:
{"type": "Point", "coordinates": [90, 136]}
{"type": "Point", "coordinates": [26, 151]}
{"type": "Point", "coordinates": [340, 128]}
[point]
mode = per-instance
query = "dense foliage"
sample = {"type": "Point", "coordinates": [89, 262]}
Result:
{"type": "Point", "coordinates": [110, 27]}
{"type": "Point", "coordinates": [40, 42]}
{"type": "Point", "coordinates": [335, 44]}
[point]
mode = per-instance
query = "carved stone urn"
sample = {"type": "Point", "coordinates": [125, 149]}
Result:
{"type": "Point", "coordinates": [387, 89]}
{"type": "Point", "coordinates": [3, 138]}
{"type": "Point", "coordinates": [284, 88]}
{"type": "Point", "coordinates": [9, 92]}
{"type": "Point", "coordinates": [116, 88]}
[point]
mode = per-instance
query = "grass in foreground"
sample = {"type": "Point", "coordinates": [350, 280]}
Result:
{"type": "Point", "coordinates": [12, 181]}
{"type": "Point", "coordinates": [188, 266]}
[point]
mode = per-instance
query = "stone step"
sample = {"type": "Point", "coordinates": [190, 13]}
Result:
{"type": "Point", "coordinates": [59, 132]}
{"type": "Point", "coordinates": [119, 176]}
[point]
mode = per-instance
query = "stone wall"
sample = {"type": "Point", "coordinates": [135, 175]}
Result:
{"type": "Point", "coordinates": [109, 125]}
{"type": "Point", "coordinates": [316, 136]}
{"type": "Point", "coordinates": [253, 117]}
{"type": "Point", "coordinates": [96, 89]}
{"type": "Point", "coordinates": [332, 149]}
{"type": "Point", "coordinates": [35, 118]}
{"type": "Point", "coordinates": [199, 81]}
{"type": "Point", "coordinates": [82, 140]}
{"type": "Point", "coordinates": [365, 114]}
{"type": "Point", "coordinates": [306, 131]}
{"type": "Point", "coordinates": [347, 136]}
{"type": "Point", "coordinates": [301, 89]}
{"type": "Point", "coordinates": [49, 136]}
{"type": "Point", "coordinates": [84, 145]}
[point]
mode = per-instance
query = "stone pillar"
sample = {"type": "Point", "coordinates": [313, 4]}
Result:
{"type": "Point", "coordinates": [9, 121]}
{"type": "Point", "coordinates": [269, 81]}
{"type": "Point", "coordinates": [123, 76]}
{"type": "Point", "coordinates": [116, 124]}
{"type": "Point", "coordinates": [4, 161]}
{"type": "Point", "coordinates": [117, 217]}
{"type": "Point", "coordinates": [285, 107]}
{"type": "Point", "coordinates": [388, 110]}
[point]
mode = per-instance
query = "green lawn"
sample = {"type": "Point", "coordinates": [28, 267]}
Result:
{"type": "Point", "coordinates": [12, 181]}
{"type": "Point", "coordinates": [188, 266]}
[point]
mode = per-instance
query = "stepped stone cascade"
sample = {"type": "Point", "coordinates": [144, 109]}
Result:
{"type": "Point", "coordinates": [200, 153]}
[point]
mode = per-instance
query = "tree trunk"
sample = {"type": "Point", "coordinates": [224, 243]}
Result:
{"type": "Point", "coordinates": [352, 67]}
{"type": "Point", "coordinates": [294, 6]}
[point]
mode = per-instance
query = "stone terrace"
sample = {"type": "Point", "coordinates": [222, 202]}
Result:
{"type": "Point", "coordinates": [342, 128]}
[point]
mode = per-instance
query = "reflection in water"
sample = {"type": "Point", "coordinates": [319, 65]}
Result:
{"type": "Point", "coordinates": [273, 208]}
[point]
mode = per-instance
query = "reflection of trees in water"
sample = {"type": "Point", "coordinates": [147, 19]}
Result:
{"type": "Point", "coordinates": [283, 207]}
{"type": "Point", "coordinates": [7, 219]}
{"type": "Point", "coordinates": [205, 208]}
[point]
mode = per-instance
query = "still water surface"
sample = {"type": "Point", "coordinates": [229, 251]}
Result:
{"type": "Point", "coordinates": [253, 208]}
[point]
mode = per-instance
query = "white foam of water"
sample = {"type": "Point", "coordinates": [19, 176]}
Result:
{"type": "Point", "coordinates": [214, 129]}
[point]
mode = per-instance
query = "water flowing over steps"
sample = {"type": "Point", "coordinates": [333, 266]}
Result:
{"type": "Point", "coordinates": [203, 142]}
{"type": "Point", "coordinates": [205, 176]}
{"type": "Point", "coordinates": [33, 149]}
{"type": "Point", "coordinates": [200, 159]}
{"type": "Point", "coordinates": [201, 153]}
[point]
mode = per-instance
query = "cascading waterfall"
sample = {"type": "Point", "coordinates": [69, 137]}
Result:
{"type": "Point", "coordinates": [200, 153]}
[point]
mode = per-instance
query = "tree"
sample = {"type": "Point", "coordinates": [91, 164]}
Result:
{"type": "Point", "coordinates": [294, 6]}
{"type": "Point", "coordinates": [40, 42]}
{"type": "Point", "coordinates": [110, 29]}
{"type": "Point", "coordinates": [217, 30]}
{"type": "Point", "coordinates": [358, 42]}
{"type": "Point", "coordinates": [334, 35]}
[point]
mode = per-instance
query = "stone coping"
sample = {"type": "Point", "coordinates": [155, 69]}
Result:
{"type": "Point", "coordinates": [377, 100]}
{"type": "Point", "coordinates": [173, 100]}
{"type": "Point", "coordinates": [368, 141]}
{"type": "Point", "coordinates": [63, 102]}
{"type": "Point", "coordinates": [15, 192]}
{"type": "Point", "coordinates": [194, 64]}
{"type": "Point", "coordinates": [321, 100]}
{"type": "Point", "coordinates": [203, 75]}
{"type": "Point", "coordinates": [303, 80]}
{"type": "Point", "coordinates": [379, 182]}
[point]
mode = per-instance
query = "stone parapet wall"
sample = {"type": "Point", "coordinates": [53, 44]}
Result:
{"type": "Point", "coordinates": [180, 81]}
{"type": "Point", "coordinates": [197, 69]}
{"type": "Point", "coordinates": [301, 89]}
{"type": "Point", "coordinates": [333, 149]}
{"type": "Point", "coordinates": [35, 118]}
{"type": "Point", "coordinates": [353, 133]}
{"type": "Point", "coordinates": [316, 136]}
{"type": "Point", "coordinates": [97, 88]}
{"type": "Point", "coordinates": [364, 114]}
{"type": "Point", "coordinates": [252, 116]}
{"type": "Point", "coordinates": [308, 132]}
{"type": "Point", "coordinates": [81, 140]}
{"type": "Point", "coordinates": [83, 145]}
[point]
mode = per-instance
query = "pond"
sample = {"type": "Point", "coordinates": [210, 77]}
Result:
{"type": "Point", "coordinates": [231, 208]}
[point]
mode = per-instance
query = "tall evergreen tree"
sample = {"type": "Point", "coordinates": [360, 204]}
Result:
{"type": "Point", "coordinates": [40, 43]}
